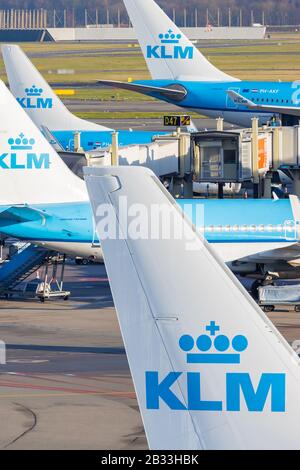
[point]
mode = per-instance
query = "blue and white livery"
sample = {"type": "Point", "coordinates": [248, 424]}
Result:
{"type": "Point", "coordinates": [42, 201]}
{"type": "Point", "coordinates": [48, 112]}
{"type": "Point", "coordinates": [209, 369]}
{"type": "Point", "coordinates": [183, 76]}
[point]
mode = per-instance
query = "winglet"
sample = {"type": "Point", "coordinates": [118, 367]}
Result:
{"type": "Point", "coordinates": [23, 213]}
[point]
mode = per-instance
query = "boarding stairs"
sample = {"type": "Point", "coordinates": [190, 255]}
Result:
{"type": "Point", "coordinates": [21, 266]}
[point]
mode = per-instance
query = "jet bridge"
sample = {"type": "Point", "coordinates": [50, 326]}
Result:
{"type": "Point", "coordinates": [168, 156]}
{"type": "Point", "coordinates": [184, 161]}
{"type": "Point", "coordinates": [247, 155]}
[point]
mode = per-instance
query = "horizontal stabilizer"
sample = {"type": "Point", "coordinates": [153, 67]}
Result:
{"type": "Point", "coordinates": [241, 100]}
{"type": "Point", "coordinates": [178, 93]}
{"type": "Point", "coordinates": [51, 139]}
{"type": "Point", "coordinates": [209, 368]}
{"type": "Point", "coordinates": [20, 214]}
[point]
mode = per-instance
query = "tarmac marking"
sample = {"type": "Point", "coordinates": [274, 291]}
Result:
{"type": "Point", "coordinates": [40, 395]}
{"type": "Point", "coordinates": [27, 361]}
{"type": "Point", "coordinates": [61, 389]}
{"type": "Point", "coordinates": [59, 380]}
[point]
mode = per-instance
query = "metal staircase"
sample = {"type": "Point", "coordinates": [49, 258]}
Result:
{"type": "Point", "coordinates": [22, 265]}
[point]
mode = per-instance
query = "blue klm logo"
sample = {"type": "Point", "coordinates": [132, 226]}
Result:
{"type": "Point", "coordinates": [34, 99]}
{"type": "Point", "coordinates": [22, 157]}
{"type": "Point", "coordinates": [237, 384]}
{"type": "Point", "coordinates": [170, 48]}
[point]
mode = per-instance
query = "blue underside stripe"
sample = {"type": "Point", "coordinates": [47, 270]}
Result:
{"type": "Point", "coordinates": [261, 240]}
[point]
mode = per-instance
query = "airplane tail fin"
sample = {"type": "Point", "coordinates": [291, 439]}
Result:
{"type": "Point", "coordinates": [31, 172]}
{"type": "Point", "coordinates": [36, 96]}
{"type": "Point", "coordinates": [210, 370]}
{"type": "Point", "coordinates": [168, 52]}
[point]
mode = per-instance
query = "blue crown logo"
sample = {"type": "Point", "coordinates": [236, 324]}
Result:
{"type": "Point", "coordinates": [21, 143]}
{"type": "Point", "coordinates": [220, 344]}
{"type": "Point", "coordinates": [33, 91]}
{"type": "Point", "coordinates": [170, 37]}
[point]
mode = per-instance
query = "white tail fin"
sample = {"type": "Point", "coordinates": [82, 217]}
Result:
{"type": "Point", "coordinates": [209, 368]}
{"type": "Point", "coordinates": [31, 172]}
{"type": "Point", "coordinates": [36, 96]}
{"type": "Point", "coordinates": [295, 204]}
{"type": "Point", "coordinates": [168, 52]}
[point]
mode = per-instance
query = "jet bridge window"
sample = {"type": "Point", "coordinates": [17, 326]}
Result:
{"type": "Point", "coordinates": [229, 157]}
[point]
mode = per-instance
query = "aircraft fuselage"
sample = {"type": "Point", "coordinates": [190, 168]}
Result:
{"type": "Point", "coordinates": [212, 100]}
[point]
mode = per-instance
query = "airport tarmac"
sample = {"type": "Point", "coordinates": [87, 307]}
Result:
{"type": "Point", "coordinates": [66, 384]}
{"type": "Point", "coordinates": [122, 50]}
{"type": "Point", "coordinates": [151, 124]}
{"type": "Point", "coordinates": [156, 124]}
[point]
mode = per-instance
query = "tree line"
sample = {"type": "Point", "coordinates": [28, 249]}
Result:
{"type": "Point", "coordinates": [274, 11]}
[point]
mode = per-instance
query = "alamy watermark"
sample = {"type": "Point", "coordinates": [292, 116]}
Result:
{"type": "Point", "coordinates": [155, 222]}
{"type": "Point", "coordinates": [296, 93]}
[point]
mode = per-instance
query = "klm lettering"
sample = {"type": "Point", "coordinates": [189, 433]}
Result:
{"type": "Point", "coordinates": [239, 388]}
{"type": "Point", "coordinates": [35, 103]}
{"type": "Point", "coordinates": [31, 161]}
{"type": "Point", "coordinates": [165, 52]}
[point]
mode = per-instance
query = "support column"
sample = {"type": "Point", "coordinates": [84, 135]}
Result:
{"type": "Point", "coordinates": [268, 185]}
{"type": "Point", "coordinates": [182, 184]}
{"type": "Point", "coordinates": [276, 148]}
{"type": "Point", "coordinates": [115, 149]}
{"type": "Point", "coordinates": [220, 190]}
{"type": "Point", "coordinates": [255, 158]}
{"type": "Point", "coordinates": [77, 142]}
{"type": "Point", "coordinates": [220, 124]}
